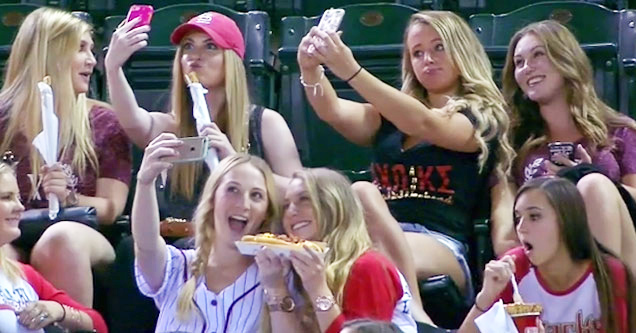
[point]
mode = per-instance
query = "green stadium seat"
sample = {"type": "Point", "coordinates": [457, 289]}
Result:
{"type": "Point", "coordinates": [149, 70]}
{"type": "Point", "coordinates": [469, 7]}
{"type": "Point", "coordinates": [610, 42]}
{"type": "Point", "coordinates": [374, 32]}
{"type": "Point", "coordinates": [11, 16]}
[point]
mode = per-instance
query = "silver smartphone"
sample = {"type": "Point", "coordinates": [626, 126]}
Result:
{"type": "Point", "coordinates": [193, 149]}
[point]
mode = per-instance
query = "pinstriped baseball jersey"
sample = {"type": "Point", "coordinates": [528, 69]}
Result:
{"type": "Point", "coordinates": [237, 308]}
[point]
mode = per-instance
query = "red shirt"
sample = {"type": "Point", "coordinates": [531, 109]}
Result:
{"type": "Point", "coordinates": [372, 290]}
{"type": "Point", "coordinates": [47, 292]}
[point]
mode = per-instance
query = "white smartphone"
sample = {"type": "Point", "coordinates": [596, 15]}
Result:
{"type": "Point", "coordinates": [331, 19]}
{"type": "Point", "coordinates": [329, 22]}
{"type": "Point", "coordinates": [193, 149]}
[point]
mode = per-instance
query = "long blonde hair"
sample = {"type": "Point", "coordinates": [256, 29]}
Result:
{"type": "Point", "coordinates": [341, 223]}
{"type": "Point", "coordinates": [590, 114]}
{"type": "Point", "coordinates": [478, 92]}
{"type": "Point", "coordinates": [8, 266]}
{"type": "Point", "coordinates": [204, 223]}
{"type": "Point", "coordinates": [46, 43]}
{"type": "Point", "coordinates": [233, 119]}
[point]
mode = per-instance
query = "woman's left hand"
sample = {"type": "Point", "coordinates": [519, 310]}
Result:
{"type": "Point", "coordinates": [218, 140]}
{"type": "Point", "coordinates": [580, 154]}
{"type": "Point", "coordinates": [331, 51]}
{"type": "Point", "coordinates": [311, 269]}
{"type": "Point", "coordinates": [39, 314]}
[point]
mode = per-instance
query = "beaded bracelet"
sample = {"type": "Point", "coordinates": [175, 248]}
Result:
{"type": "Point", "coordinates": [316, 85]}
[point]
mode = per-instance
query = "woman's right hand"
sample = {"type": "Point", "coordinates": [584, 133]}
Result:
{"type": "Point", "coordinates": [271, 269]}
{"type": "Point", "coordinates": [496, 277]}
{"type": "Point", "coordinates": [163, 146]}
{"type": "Point", "coordinates": [124, 42]}
{"type": "Point", "coordinates": [307, 61]}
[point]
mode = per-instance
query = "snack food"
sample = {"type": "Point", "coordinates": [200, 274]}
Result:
{"type": "Point", "coordinates": [524, 315]}
{"type": "Point", "coordinates": [293, 243]}
{"type": "Point", "coordinates": [282, 245]}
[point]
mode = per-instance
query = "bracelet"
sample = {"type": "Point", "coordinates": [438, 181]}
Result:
{"type": "Point", "coordinates": [316, 85]}
{"type": "Point", "coordinates": [354, 75]}
{"type": "Point", "coordinates": [478, 308]}
{"type": "Point", "coordinates": [63, 315]}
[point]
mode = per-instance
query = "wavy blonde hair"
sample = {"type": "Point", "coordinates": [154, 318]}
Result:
{"type": "Point", "coordinates": [590, 114]}
{"type": "Point", "coordinates": [233, 119]}
{"type": "Point", "coordinates": [478, 92]}
{"type": "Point", "coordinates": [8, 266]}
{"type": "Point", "coordinates": [46, 44]}
{"type": "Point", "coordinates": [204, 223]}
{"type": "Point", "coordinates": [341, 223]}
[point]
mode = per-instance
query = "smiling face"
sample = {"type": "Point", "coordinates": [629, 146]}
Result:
{"type": "Point", "coordinates": [83, 64]}
{"type": "Point", "coordinates": [201, 55]}
{"type": "Point", "coordinates": [10, 208]}
{"type": "Point", "coordinates": [240, 203]}
{"type": "Point", "coordinates": [535, 74]}
{"type": "Point", "coordinates": [433, 67]}
{"type": "Point", "coordinates": [298, 215]}
{"type": "Point", "coordinates": [538, 228]}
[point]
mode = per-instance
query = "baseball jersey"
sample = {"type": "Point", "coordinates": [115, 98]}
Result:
{"type": "Point", "coordinates": [15, 295]}
{"type": "Point", "coordinates": [574, 310]}
{"type": "Point", "coordinates": [237, 308]}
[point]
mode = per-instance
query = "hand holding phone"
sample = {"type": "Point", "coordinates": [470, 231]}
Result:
{"type": "Point", "coordinates": [193, 149]}
{"type": "Point", "coordinates": [561, 148]}
{"type": "Point", "coordinates": [329, 22]}
{"type": "Point", "coordinates": [144, 12]}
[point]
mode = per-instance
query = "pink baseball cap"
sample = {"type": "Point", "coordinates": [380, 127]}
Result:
{"type": "Point", "coordinates": [222, 29]}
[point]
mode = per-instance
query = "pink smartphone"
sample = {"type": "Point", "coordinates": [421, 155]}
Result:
{"type": "Point", "coordinates": [142, 11]}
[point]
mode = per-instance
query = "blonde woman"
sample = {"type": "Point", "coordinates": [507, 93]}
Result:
{"type": "Point", "coordinates": [435, 142]}
{"type": "Point", "coordinates": [28, 301]}
{"type": "Point", "coordinates": [212, 46]}
{"type": "Point", "coordinates": [94, 152]}
{"type": "Point", "coordinates": [352, 281]}
{"type": "Point", "coordinates": [548, 83]}
{"type": "Point", "coordinates": [212, 287]}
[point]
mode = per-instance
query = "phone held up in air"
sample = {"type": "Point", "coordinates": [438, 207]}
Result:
{"type": "Point", "coordinates": [331, 19]}
{"type": "Point", "coordinates": [144, 12]}
{"type": "Point", "coordinates": [329, 22]}
{"type": "Point", "coordinates": [561, 148]}
{"type": "Point", "coordinates": [193, 149]}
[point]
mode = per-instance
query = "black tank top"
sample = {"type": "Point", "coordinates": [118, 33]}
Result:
{"type": "Point", "coordinates": [175, 205]}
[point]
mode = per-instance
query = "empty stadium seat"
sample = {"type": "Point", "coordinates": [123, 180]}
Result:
{"type": "Point", "coordinates": [11, 16]}
{"type": "Point", "coordinates": [469, 7]}
{"type": "Point", "coordinates": [149, 70]}
{"type": "Point", "coordinates": [374, 32]}
{"type": "Point", "coordinates": [610, 42]}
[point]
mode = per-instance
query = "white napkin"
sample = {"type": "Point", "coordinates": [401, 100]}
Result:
{"type": "Point", "coordinates": [46, 141]}
{"type": "Point", "coordinates": [202, 117]}
{"type": "Point", "coordinates": [496, 320]}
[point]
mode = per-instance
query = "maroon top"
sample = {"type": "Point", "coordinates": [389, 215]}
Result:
{"type": "Point", "coordinates": [615, 162]}
{"type": "Point", "coordinates": [111, 146]}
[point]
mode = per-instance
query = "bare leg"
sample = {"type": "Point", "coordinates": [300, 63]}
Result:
{"type": "Point", "coordinates": [608, 217]}
{"type": "Point", "coordinates": [388, 237]}
{"type": "Point", "coordinates": [65, 254]}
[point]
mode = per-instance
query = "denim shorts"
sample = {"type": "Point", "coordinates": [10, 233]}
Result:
{"type": "Point", "coordinates": [457, 247]}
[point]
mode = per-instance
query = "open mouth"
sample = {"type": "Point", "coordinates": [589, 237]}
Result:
{"type": "Point", "coordinates": [86, 75]}
{"type": "Point", "coordinates": [527, 247]}
{"type": "Point", "coordinates": [237, 223]}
